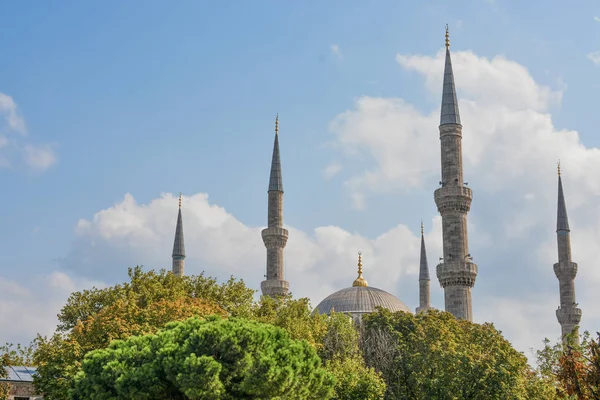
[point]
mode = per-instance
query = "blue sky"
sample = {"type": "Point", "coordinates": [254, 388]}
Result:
{"type": "Point", "coordinates": [160, 97]}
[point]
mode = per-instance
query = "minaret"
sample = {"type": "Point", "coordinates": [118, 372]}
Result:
{"type": "Point", "coordinates": [424, 296]}
{"type": "Point", "coordinates": [178, 246]}
{"type": "Point", "coordinates": [456, 272]}
{"type": "Point", "coordinates": [568, 314]}
{"type": "Point", "coordinates": [275, 236]}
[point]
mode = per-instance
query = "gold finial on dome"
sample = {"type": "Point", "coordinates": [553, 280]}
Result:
{"type": "Point", "coordinates": [558, 167]}
{"type": "Point", "coordinates": [179, 199]}
{"type": "Point", "coordinates": [360, 281]}
{"type": "Point", "coordinates": [447, 37]}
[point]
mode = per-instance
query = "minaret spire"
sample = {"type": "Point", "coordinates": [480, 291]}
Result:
{"type": "Point", "coordinates": [360, 281]}
{"type": "Point", "coordinates": [275, 235]}
{"type": "Point", "coordinates": [178, 246]}
{"type": "Point", "coordinates": [450, 113]}
{"type": "Point", "coordinates": [568, 314]}
{"type": "Point", "coordinates": [424, 294]}
{"type": "Point", "coordinates": [456, 272]}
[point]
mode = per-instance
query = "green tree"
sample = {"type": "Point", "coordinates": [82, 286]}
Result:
{"type": "Point", "coordinates": [91, 319]}
{"type": "Point", "coordinates": [436, 356]}
{"type": "Point", "coordinates": [354, 380]}
{"type": "Point", "coordinates": [205, 359]}
{"type": "Point", "coordinates": [293, 315]}
{"type": "Point", "coordinates": [4, 386]}
{"type": "Point", "coordinates": [336, 339]}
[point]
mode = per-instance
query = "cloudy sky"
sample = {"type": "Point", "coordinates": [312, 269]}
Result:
{"type": "Point", "coordinates": [109, 109]}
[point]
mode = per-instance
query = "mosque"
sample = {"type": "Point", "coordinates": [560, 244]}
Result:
{"type": "Point", "coordinates": [456, 272]}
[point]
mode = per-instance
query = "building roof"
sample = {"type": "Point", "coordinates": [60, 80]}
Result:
{"type": "Point", "coordinates": [562, 221]}
{"type": "Point", "coordinates": [450, 114]}
{"type": "Point", "coordinates": [275, 180]}
{"type": "Point", "coordinates": [19, 373]}
{"type": "Point", "coordinates": [423, 268]}
{"type": "Point", "coordinates": [360, 300]}
{"type": "Point", "coordinates": [178, 245]}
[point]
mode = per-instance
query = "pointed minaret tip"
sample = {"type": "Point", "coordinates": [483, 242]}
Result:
{"type": "Point", "coordinates": [562, 221]}
{"type": "Point", "coordinates": [179, 199]}
{"type": "Point", "coordinates": [275, 180]}
{"type": "Point", "coordinates": [450, 113]}
{"type": "Point", "coordinates": [423, 266]}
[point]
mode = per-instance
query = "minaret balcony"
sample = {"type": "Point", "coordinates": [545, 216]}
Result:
{"type": "Point", "coordinates": [274, 237]}
{"type": "Point", "coordinates": [457, 273]}
{"type": "Point", "coordinates": [565, 270]}
{"type": "Point", "coordinates": [453, 199]}
{"type": "Point", "coordinates": [275, 287]}
{"type": "Point", "coordinates": [568, 315]}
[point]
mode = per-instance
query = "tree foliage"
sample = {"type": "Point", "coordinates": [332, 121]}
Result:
{"type": "Point", "coordinates": [205, 359]}
{"type": "Point", "coordinates": [578, 370]}
{"type": "Point", "coordinates": [91, 319]}
{"type": "Point", "coordinates": [293, 315]}
{"type": "Point", "coordinates": [436, 356]}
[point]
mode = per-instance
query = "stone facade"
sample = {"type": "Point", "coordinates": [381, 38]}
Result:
{"type": "Point", "coordinates": [568, 314]}
{"type": "Point", "coordinates": [456, 273]}
{"type": "Point", "coordinates": [275, 236]}
{"type": "Point", "coordinates": [22, 390]}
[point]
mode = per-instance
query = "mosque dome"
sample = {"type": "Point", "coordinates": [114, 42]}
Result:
{"type": "Point", "coordinates": [360, 299]}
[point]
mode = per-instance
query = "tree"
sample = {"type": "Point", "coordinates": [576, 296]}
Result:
{"type": "Point", "coordinates": [578, 371]}
{"type": "Point", "coordinates": [91, 319]}
{"type": "Point", "coordinates": [354, 380]}
{"type": "Point", "coordinates": [4, 386]}
{"type": "Point", "coordinates": [293, 315]}
{"type": "Point", "coordinates": [205, 359]}
{"type": "Point", "coordinates": [336, 339]}
{"type": "Point", "coordinates": [436, 356]}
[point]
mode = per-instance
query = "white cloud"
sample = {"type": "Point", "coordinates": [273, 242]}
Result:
{"type": "Point", "coordinates": [8, 109]}
{"type": "Point", "coordinates": [597, 19]}
{"type": "Point", "coordinates": [594, 57]}
{"type": "Point", "coordinates": [40, 157]}
{"type": "Point", "coordinates": [35, 156]}
{"type": "Point", "coordinates": [335, 50]}
{"type": "Point", "coordinates": [332, 170]}
{"type": "Point", "coordinates": [31, 308]}
{"type": "Point", "coordinates": [316, 262]}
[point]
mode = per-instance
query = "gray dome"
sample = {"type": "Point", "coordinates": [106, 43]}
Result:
{"type": "Point", "coordinates": [357, 300]}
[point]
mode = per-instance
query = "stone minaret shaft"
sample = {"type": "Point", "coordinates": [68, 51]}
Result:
{"type": "Point", "coordinates": [568, 314]}
{"type": "Point", "coordinates": [424, 296]}
{"type": "Point", "coordinates": [456, 272]}
{"type": "Point", "coordinates": [178, 246]}
{"type": "Point", "coordinates": [275, 236]}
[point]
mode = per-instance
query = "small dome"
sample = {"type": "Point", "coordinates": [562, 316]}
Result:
{"type": "Point", "coordinates": [358, 300]}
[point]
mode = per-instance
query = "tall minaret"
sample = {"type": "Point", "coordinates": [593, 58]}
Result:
{"type": "Point", "coordinates": [456, 272]}
{"type": "Point", "coordinates": [568, 314]}
{"type": "Point", "coordinates": [424, 297]}
{"type": "Point", "coordinates": [275, 236]}
{"type": "Point", "coordinates": [178, 246]}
